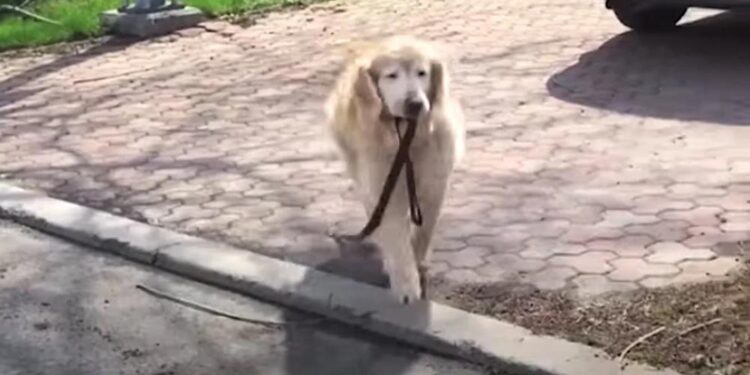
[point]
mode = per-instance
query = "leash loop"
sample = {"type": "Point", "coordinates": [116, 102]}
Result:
{"type": "Point", "coordinates": [401, 160]}
{"type": "Point", "coordinates": [411, 184]}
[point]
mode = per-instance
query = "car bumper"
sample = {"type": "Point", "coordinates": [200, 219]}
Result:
{"type": "Point", "coordinates": [715, 4]}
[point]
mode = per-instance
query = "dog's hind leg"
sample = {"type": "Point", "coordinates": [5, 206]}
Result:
{"type": "Point", "coordinates": [431, 201]}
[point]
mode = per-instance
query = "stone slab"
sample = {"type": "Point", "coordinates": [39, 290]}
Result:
{"type": "Point", "coordinates": [151, 24]}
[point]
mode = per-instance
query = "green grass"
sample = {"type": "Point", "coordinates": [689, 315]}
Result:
{"type": "Point", "coordinates": [80, 19]}
{"type": "Point", "coordinates": [219, 7]}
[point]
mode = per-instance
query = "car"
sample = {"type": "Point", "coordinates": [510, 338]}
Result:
{"type": "Point", "coordinates": [662, 15]}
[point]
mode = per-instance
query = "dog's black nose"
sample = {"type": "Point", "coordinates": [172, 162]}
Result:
{"type": "Point", "coordinates": [412, 108]}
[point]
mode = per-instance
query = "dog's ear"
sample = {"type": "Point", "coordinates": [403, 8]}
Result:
{"type": "Point", "coordinates": [437, 83]}
{"type": "Point", "coordinates": [364, 87]}
{"type": "Point", "coordinates": [366, 94]}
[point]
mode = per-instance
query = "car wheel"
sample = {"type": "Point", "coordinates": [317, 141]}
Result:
{"type": "Point", "coordinates": [649, 19]}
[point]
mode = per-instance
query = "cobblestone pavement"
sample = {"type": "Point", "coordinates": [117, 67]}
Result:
{"type": "Point", "coordinates": [597, 159]}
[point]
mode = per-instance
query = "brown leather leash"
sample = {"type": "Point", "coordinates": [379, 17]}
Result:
{"type": "Point", "coordinates": [401, 160]}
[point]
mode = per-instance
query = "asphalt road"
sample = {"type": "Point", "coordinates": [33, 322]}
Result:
{"type": "Point", "coordinates": [65, 309]}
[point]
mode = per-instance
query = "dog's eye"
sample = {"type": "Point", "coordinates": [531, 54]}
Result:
{"type": "Point", "coordinates": [421, 73]}
{"type": "Point", "coordinates": [392, 76]}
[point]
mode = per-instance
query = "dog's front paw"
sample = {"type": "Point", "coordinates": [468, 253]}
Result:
{"type": "Point", "coordinates": [407, 290]}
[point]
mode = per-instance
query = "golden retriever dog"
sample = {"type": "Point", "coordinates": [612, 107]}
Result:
{"type": "Point", "coordinates": [398, 78]}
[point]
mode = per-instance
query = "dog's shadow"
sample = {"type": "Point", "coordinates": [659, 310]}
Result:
{"type": "Point", "coordinates": [360, 261]}
{"type": "Point", "coordinates": [330, 348]}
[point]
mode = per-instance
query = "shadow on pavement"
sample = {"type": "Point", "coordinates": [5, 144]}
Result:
{"type": "Point", "coordinates": [699, 72]}
{"type": "Point", "coordinates": [360, 262]}
{"type": "Point", "coordinates": [13, 87]}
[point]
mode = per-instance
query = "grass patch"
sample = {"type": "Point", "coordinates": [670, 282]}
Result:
{"type": "Point", "coordinates": [215, 8]}
{"type": "Point", "coordinates": [80, 19]}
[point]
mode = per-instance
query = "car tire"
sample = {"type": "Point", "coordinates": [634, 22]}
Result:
{"type": "Point", "coordinates": [649, 19]}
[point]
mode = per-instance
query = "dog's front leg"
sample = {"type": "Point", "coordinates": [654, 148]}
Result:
{"type": "Point", "coordinates": [398, 257]}
{"type": "Point", "coordinates": [393, 239]}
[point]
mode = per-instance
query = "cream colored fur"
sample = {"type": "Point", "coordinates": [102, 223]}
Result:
{"type": "Point", "coordinates": [366, 137]}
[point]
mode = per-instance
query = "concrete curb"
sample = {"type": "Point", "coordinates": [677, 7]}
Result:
{"type": "Point", "coordinates": [507, 348]}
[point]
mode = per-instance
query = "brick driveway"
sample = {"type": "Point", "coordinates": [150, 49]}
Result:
{"type": "Point", "coordinates": [597, 159]}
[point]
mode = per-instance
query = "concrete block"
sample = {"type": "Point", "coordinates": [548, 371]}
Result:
{"type": "Point", "coordinates": [125, 237]}
{"type": "Point", "coordinates": [150, 24]}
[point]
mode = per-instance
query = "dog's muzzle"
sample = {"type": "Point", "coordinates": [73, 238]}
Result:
{"type": "Point", "coordinates": [413, 107]}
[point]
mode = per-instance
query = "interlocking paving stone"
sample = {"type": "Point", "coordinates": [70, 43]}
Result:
{"type": "Point", "coordinates": [675, 252]}
{"type": "Point", "coordinates": [584, 142]}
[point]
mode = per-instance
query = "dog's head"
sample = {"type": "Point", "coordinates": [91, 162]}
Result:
{"type": "Point", "coordinates": [405, 75]}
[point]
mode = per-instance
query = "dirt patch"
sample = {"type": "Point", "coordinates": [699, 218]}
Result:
{"type": "Point", "coordinates": [701, 329]}
{"type": "Point", "coordinates": [62, 48]}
